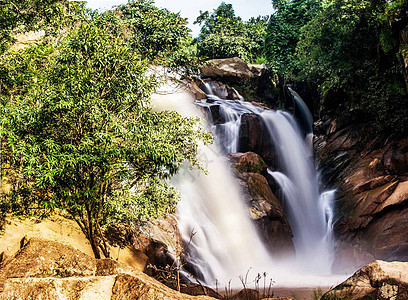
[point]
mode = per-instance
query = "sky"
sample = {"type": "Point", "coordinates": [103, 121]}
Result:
{"type": "Point", "coordinates": [191, 8]}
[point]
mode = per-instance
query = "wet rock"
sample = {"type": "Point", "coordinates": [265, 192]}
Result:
{"type": "Point", "coordinates": [216, 117]}
{"type": "Point", "coordinates": [219, 89]}
{"type": "Point", "coordinates": [233, 94]}
{"type": "Point", "coordinates": [253, 82]}
{"type": "Point", "coordinates": [254, 138]}
{"type": "Point", "coordinates": [250, 133]}
{"type": "Point", "coordinates": [378, 280]}
{"type": "Point", "coordinates": [196, 90]}
{"type": "Point", "coordinates": [247, 162]}
{"type": "Point", "coordinates": [264, 208]}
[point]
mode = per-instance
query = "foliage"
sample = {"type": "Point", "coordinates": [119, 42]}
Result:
{"type": "Point", "coordinates": [186, 58]}
{"type": "Point", "coordinates": [78, 130]}
{"type": "Point", "coordinates": [283, 33]}
{"type": "Point", "coordinates": [223, 34]}
{"type": "Point", "coordinates": [350, 49]}
{"type": "Point", "coordinates": [18, 16]}
{"type": "Point", "coordinates": [155, 32]}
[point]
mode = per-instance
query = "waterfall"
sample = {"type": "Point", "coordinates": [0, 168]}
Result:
{"type": "Point", "coordinates": [212, 214]}
{"type": "Point", "coordinates": [305, 210]}
{"type": "Point", "coordinates": [224, 242]}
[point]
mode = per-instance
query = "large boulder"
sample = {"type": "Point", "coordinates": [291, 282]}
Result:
{"type": "Point", "coordinates": [378, 280]}
{"type": "Point", "coordinates": [44, 269]}
{"type": "Point", "coordinates": [254, 82]}
{"type": "Point", "coordinates": [39, 258]}
{"type": "Point", "coordinates": [233, 69]}
{"type": "Point", "coordinates": [264, 208]}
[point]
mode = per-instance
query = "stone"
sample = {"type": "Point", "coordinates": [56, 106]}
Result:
{"type": "Point", "coordinates": [280, 298]}
{"type": "Point", "coordinates": [42, 258]}
{"type": "Point", "coordinates": [263, 206]}
{"type": "Point", "coordinates": [372, 194]}
{"type": "Point", "coordinates": [144, 288]}
{"type": "Point", "coordinates": [196, 90]}
{"type": "Point", "coordinates": [233, 94]}
{"type": "Point", "coordinates": [247, 162]}
{"type": "Point", "coordinates": [253, 138]}
{"type": "Point", "coordinates": [199, 290]}
{"type": "Point", "coordinates": [217, 88]}
{"type": "Point", "coordinates": [395, 159]}
{"type": "Point", "coordinates": [373, 183]}
{"type": "Point", "coordinates": [398, 197]}
{"type": "Point", "coordinates": [378, 280]}
{"type": "Point", "coordinates": [50, 270]}
{"type": "Point", "coordinates": [367, 203]}
{"type": "Point", "coordinates": [250, 133]}
{"type": "Point", "coordinates": [258, 70]}
{"type": "Point", "coordinates": [246, 294]}
{"type": "Point", "coordinates": [234, 69]}
{"type": "Point", "coordinates": [96, 287]}
{"type": "Point", "coordinates": [216, 117]}
{"type": "Point", "coordinates": [108, 267]}
{"type": "Point", "coordinates": [387, 235]}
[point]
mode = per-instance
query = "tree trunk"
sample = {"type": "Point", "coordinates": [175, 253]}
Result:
{"type": "Point", "coordinates": [95, 247]}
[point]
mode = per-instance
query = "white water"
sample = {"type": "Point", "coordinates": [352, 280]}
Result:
{"type": "Point", "coordinates": [313, 241]}
{"type": "Point", "coordinates": [225, 244]}
{"type": "Point", "coordinates": [306, 213]}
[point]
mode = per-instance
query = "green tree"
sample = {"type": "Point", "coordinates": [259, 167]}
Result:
{"type": "Point", "coordinates": [155, 32]}
{"type": "Point", "coordinates": [351, 49]}
{"type": "Point", "coordinates": [80, 136]}
{"type": "Point", "coordinates": [18, 16]}
{"type": "Point", "coordinates": [283, 33]}
{"type": "Point", "coordinates": [223, 34]}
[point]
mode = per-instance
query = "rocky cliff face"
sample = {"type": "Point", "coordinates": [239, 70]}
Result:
{"type": "Point", "coordinates": [372, 194]}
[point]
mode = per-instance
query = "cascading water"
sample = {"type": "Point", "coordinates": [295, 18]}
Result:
{"type": "Point", "coordinates": [299, 181]}
{"type": "Point", "coordinates": [224, 242]}
{"type": "Point", "coordinates": [306, 213]}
